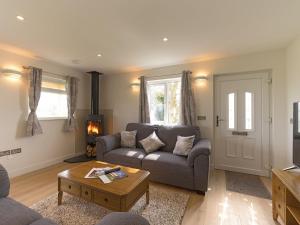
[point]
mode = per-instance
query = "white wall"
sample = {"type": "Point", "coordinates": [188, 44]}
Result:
{"type": "Point", "coordinates": [118, 96]}
{"type": "Point", "coordinates": [39, 151]}
{"type": "Point", "coordinates": [293, 87]}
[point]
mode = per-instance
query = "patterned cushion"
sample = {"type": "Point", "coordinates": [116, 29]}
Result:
{"type": "Point", "coordinates": [151, 143]}
{"type": "Point", "coordinates": [168, 135]}
{"type": "Point", "coordinates": [184, 145]}
{"type": "Point", "coordinates": [128, 139]}
{"type": "Point", "coordinates": [143, 131]}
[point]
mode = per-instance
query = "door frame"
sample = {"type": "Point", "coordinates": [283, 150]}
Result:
{"type": "Point", "coordinates": [267, 94]}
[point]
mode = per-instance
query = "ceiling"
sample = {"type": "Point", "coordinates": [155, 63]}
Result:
{"type": "Point", "coordinates": [129, 33]}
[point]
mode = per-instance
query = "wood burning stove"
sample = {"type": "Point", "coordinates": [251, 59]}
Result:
{"type": "Point", "coordinates": [94, 122]}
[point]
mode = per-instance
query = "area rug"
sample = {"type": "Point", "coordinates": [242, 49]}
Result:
{"type": "Point", "coordinates": [246, 184]}
{"type": "Point", "coordinates": [166, 207]}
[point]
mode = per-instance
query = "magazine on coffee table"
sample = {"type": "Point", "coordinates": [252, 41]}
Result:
{"type": "Point", "coordinates": [96, 172]}
{"type": "Point", "coordinates": [116, 175]}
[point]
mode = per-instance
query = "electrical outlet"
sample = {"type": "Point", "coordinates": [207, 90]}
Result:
{"type": "Point", "coordinates": [15, 151]}
{"type": "Point", "coordinates": [4, 153]}
{"type": "Point", "coordinates": [201, 117]}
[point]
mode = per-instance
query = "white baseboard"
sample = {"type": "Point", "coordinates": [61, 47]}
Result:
{"type": "Point", "coordinates": [41, 165]}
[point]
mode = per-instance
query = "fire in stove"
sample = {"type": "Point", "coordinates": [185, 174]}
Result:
{"type": "Point", "coordinates": [94, 128]}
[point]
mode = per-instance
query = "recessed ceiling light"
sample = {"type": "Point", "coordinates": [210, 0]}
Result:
{"type": "Point", "coordinates": [99, 55]}
{"type": "Point", "coordinates": [20, 18]}
{"type": "Point", "coordinates": [165, 39]}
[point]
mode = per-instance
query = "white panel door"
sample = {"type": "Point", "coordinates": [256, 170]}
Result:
{"type": "Point", "coordinates": [242, 123]}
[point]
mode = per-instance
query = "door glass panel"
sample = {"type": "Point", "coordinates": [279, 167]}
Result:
{"type": "Point", "coordinates": [248, 110]}
{"type": "Point", "coordinates": [298, 117]}
{"type": "Point", "coordinates": [231, 110]}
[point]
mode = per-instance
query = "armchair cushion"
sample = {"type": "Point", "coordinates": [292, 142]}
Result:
{"type": "Point", "coordinates": [123, 218]}
{"type": "Point", "coordinates": [14, 213]}
{"type": "Point", "coordinates": [203, 147]}
{"type": "Point", "coordinates": [43, 221]}
{"type": "Point", "coordinates": [4, 182]}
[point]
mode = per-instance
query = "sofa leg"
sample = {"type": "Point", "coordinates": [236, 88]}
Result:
{"type": "Point", "coordinates": [201, 193]}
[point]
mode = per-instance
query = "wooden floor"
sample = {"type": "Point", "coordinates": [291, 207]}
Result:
{"type": "Point", "coordinates": [218, 207]}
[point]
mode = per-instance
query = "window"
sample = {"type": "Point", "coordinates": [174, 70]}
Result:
{"type": "Point", "coordinates": [164, 101]}
{"type": "Point", "coordinates": [53, 100]}
{"type": "Point", "coordinates": [231, 110]}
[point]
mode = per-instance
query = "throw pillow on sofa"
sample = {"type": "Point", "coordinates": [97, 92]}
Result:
{"type": "Point", "coordinates": [128, 139]}
{"type": "Point", "coordinates": [152, 143]}
{"type": "Point", "coordinates": [184, 145]}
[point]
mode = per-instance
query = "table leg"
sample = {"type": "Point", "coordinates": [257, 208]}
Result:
{"type": "Point", "coordinates": [147, 197]}
{"type": "Point", "coordinates": [60, 195]}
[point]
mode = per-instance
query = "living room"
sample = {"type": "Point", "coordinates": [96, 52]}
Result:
{"type": "Point", "coordinates": [207, 90]}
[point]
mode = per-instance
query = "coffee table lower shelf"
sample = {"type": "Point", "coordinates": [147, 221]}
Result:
{"type": "Point", "coordinates": [111, 201]}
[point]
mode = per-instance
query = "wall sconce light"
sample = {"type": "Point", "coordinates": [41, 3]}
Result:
{"type": "Point", "coordinates": [201, 81]}
{"type": "Point", "coordinates": [135, 86]}
{"type": "Point", "coordinates": [13, 74]}
{"type": "Point", "coordinates": [201, 78]}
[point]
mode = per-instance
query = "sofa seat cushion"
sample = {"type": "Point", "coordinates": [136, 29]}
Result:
{"type": "Point", "coordinates": [14, 213]}
{"type": "Point", "coordinates": [131, 157]}
{"type": "Point", "coordinates": [168, 168]}
{"type": "Point", "coordinates": [168, 135]}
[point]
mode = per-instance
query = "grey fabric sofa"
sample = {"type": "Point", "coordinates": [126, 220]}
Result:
{"type": "Point", "coordinates": [14, 213]}
{"type": "Point", "coordinates": [187, 172]}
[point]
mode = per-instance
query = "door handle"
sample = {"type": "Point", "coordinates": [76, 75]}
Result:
{"type": "Point", "coordinates": [218, 120]}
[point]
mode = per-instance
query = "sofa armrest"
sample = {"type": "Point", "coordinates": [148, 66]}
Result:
{"type": "Point", "coordinates": [107, 143]}
{"type": "Point", "coordinates": [203, 147]}
{"type": "Point", "coordinates": [4, 182]}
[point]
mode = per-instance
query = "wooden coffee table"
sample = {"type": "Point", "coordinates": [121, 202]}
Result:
{"type": "Point", "coordinates": [119, 195]}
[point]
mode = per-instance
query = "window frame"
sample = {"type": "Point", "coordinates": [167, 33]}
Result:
{"type": "Point", "coordinates": [54, 79]}
{"type": "Point", "coordinates": [163, 81]}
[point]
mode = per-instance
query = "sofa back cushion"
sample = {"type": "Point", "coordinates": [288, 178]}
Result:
{"type": "Point", "coordinates": [4, 182]}
{"type": "Point", "coordinates": [143, 131]}
{"type": "Point", "coordinates": [168, 135]}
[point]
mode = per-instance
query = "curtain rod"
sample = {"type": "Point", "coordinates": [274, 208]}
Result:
{"type": "Point", "coordinates": [165, 75]}
{"type": "Point", "coordinates": [45, 71]}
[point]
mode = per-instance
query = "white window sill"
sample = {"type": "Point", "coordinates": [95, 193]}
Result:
{"type": "Point", "coordinates": [52, 118]}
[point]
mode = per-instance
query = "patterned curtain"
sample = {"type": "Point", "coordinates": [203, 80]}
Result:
{"type": "Point", "coordinates": [34, 93]}
{"type": "Point", "coordinates": [188, 112]}
{"type": "Point", "coordinates": [144, 116]}
{"type": "Point", "coordinates": [72, 91]}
